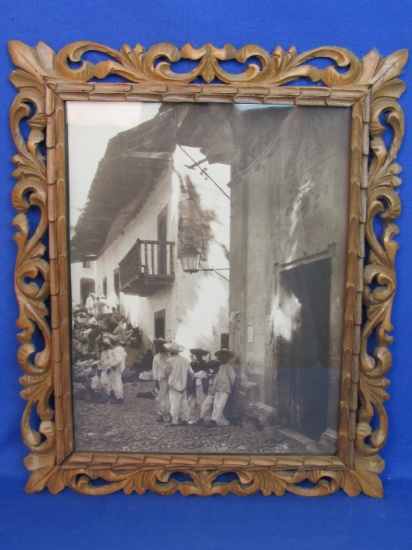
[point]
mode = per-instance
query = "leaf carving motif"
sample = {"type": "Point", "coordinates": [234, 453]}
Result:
{"type": "Point", "coordinates": [364, 478]}
{"type": "Point", "coordinates": [138, 65]}
{"type": "Point", "coordinates": [379, 275]}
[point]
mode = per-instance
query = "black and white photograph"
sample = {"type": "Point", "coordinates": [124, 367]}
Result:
{"type": "Point", "coordinates": [208, 254]}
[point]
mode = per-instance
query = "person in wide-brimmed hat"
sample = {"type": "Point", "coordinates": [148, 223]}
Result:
{"type": "Point", "coordinates": [120, 332]}
{"type": "Point", "coordinates": [224, 355]}
{"type": "Point", "coordinates": [105, 365]}
{"type": "Point", "coordinates": [197, 388]}
{"type": "Point", "coordinates": [112, 361]}
{"type": "Point", "coordinates": [198, 352]}
{"type": "Point", "coordinates": [178, 371]}
{"type": "Point", "coordinates": [94, 334]}
{"type": "Point", "coordinates": [89, 302]}
{"type": "Point", "coordinates": [99, 306]}
{"type": "Point", "coordinates": [160, 376]}
{"type": "Point", "coordinates": [220, 389]}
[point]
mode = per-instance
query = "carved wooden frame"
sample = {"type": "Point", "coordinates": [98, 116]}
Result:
{"type": "Point", "coordinates": [371, 87]}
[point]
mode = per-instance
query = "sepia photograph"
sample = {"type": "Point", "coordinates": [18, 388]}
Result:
{"type": "Point", "coordinates": [208, 257]}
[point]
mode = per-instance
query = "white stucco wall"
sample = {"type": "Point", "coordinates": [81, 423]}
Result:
{"type": "Point", "coordinates": [202, 299]}
{"type": "Point", "coordinates": [196, 305]}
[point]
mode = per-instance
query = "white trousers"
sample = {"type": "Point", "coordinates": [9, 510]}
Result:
{"type": "Point", "coordinates": [218, 405]}
{"type": "Point", "coordinates": [105, 382]}
{"type": "Point", "coordinates": [163, 401]}
{"type": "Point", "coordinates": [178, 405]}
{"type": "Point", "coordinates": [96, 383]}
{"type": "Point", "coordinates": [215, 403]}
{"type": "Point", "coordinates": [116, 383]}
{"type": "Point", "coordinates": [196, 401]}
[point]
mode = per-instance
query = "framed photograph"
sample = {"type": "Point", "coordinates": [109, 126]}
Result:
{"type": "Point", "coordinates": [205, 266]}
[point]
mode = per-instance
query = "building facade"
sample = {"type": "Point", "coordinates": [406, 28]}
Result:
{"type": "Point", "coordinates": [288, 264]}
{"type": "Point", "coordinates": [167, 203]}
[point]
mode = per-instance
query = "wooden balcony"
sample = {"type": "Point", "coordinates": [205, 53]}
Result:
{"type": "Point", "coordinates": [147, 267]}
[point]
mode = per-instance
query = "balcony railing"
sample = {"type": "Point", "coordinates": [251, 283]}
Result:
{"type": "Point", "coordinates": [147, 266]}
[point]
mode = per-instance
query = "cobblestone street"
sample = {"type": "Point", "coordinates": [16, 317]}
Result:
{"type": "Point", "coordinates": [132, 427]}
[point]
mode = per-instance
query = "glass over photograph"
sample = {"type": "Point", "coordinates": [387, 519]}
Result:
{"type": "Point", "coordinates": [208, 248]}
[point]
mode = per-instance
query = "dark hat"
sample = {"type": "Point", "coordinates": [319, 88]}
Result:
{"type": "Point", "coordinates": [224, 353]}
{"type": "Point", "coordinates": [198, 351]}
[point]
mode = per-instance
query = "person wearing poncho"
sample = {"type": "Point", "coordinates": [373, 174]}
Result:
{"type": "Point", "coordinates": [220, 390]}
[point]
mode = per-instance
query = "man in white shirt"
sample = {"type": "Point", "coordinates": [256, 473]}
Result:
{"type": "Point", "coordinates": [113, 362]}
{"type": "Point", "coordinates": [119, 364]}
{"type": "Point", "coordinates": [90, 303]}
{"type": "Point", "coordinates": [178, 371]}
{"type": "Point", "coordinates": [99, 306]}
{"type": "Point", "coordinates": [160, 376]}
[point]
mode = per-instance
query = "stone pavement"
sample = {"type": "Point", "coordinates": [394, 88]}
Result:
{"type": "Point", "coordinates": [131, 427]}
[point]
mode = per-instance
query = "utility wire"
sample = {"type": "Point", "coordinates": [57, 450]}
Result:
{"type": "Point", "coordinates": [204, 172]}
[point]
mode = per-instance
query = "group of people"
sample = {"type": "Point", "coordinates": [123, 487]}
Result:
{"type": "Point", "coordinates": [91, 323]}
{"type": "Point", "coordinates": [99, 355]}
{"type": "Point", "coordinates": [188, 392]}
{"type": "Point", "coordinates": [184, 385]}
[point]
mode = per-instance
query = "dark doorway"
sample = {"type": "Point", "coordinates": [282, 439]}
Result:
{"type": "Point", "coordinates": [162, 238]}
{"type": "Point", "coordinates": [116, 281]}
{"type": "Point", "coordinates": [160, 324]}
{"type": "Point", "coordinates": [224, 340]}
{"type": "Point", "coordinates": [304, 381]}
{"type": "Point", "coordinates": [86, 286]}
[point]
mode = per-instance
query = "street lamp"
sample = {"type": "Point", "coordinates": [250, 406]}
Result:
{"type": "Point", "coordinates": [190, 258]}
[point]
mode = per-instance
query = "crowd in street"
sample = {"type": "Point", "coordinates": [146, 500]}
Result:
{"type": "Point", "coordinates": [99, 339]}
{"type": "Point", "coordinates": [184, 386]}
{"type": "Point", "coordinates": [187, 392]}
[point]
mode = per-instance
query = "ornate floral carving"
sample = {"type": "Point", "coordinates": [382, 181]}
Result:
{"type": "Point", "coordinates": [205, 482]}
{"type": "Point", "coordinates": [40, 71]}
{"type": "Point", "coordinates": [138, 65]}
{"type": "Point", "coordinates": [379, 274]}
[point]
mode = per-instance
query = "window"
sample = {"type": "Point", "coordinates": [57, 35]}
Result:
{"type": "Point", "coordinates": [224, 341]}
